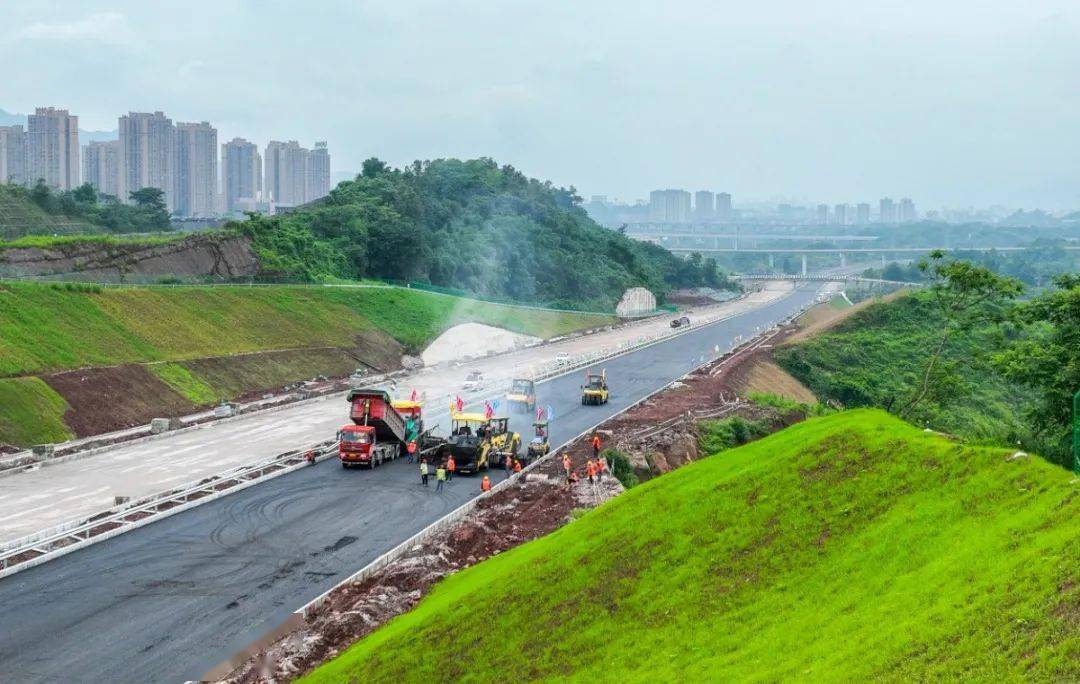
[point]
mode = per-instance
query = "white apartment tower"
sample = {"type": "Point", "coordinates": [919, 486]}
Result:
{"type": "Point", "coordinates": [52, 148]}
{"type": "Point", "coordinates": [101, 166]}
{"type": "Point", "coordinates": [723, 206]}
{"type": "Point", "coordinates": [285, 168]}
{"type": "Point", "coordinates": [147, 155]}
{"type": "Point", "coordinates": [196, 169]}
{"type": "Point", "coordinates": [669, 206]}
{"type": "Point", "coordinates": [241, 173]}
{"type": "Point", "coordinates": [318, 173]}
{"type": "Point", "coordinates": [13, 155]}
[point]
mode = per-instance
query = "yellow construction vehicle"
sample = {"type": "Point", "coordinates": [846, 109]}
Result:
{"type": "Point", "coordinates": [505, 443]}
{"type": "Point", "coordinates": [595, 390]}
{"type": "Point", "coordinates": [522, 396]}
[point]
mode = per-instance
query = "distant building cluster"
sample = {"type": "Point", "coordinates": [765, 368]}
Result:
{"type": "Point", "coordinates": [889, 211]}
{"type": "Point", "coordinates": [181, 159]}
{"type": "Point", "coordinates": [674, 206]}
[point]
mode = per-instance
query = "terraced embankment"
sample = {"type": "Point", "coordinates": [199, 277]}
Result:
{"type": "Point", "coordinates": [851, 547]}
{"type": "Point", "coordinates": [79, 361]}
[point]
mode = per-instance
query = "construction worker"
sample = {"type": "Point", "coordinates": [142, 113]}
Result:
{"type": "Point", "coordinates": [572, 479]}
{"type": "Point", "coordinates": [440, 477]}
{"type": "Point", "coordinates": [451, 466]}
{"type": "Point", "coordinates": [596, 445]}
{"type": "Point", "coordinates": [485, 484]}
{"type": "Point", "coordinates": [508, 463]}
{"type": "Point", "coordinates": [567, 465]}
{"type": "Point", "coordinates": [517, 466]}
{"type": "Point", "coordinates": [590, 469]}
{"type": "Point", "coordinates": [423, 471]}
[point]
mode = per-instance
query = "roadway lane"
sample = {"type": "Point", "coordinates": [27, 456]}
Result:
{"type": "Point", "coordinates": [170, 600]}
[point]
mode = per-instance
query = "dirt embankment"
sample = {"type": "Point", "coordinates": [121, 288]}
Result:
{"type": "Point", "coordinates": [659, 433]}
{"type": "Point", "coordinates": [118, 397]}
{"type": "Point", "coordinates": [199, 257]}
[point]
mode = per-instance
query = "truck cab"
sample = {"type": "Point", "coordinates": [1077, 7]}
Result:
{"type": "Point", "coordinates": [355, 444]}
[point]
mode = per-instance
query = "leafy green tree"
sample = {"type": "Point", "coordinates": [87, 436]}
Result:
{"type": "Point", "coordinates": [1048, 361]}
{"type": "Point", "coordinates": [965, 295]}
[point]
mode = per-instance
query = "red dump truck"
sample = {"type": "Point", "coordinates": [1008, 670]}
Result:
{"type": "Point", "coordinates": [378, 431]}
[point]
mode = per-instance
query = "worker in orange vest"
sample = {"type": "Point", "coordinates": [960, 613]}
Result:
{"type": "Point", "coordinates": [596, 445]}
{"type": "Point", "coordinates": [590, 469]}
{"type": "Point", "coordinates": [451, 466]}
{"type": "Point", "coordinates": [517, 466]}
{"type": "Point", "coordinates": [567, 466]}
{"type": "Point", "coordinates": [485, 484]}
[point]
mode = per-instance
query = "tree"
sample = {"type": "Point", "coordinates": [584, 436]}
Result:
{"type": "Point", "coordinates": [1048, 361]}
{"type": "Point", "coordinates": [964, 295]}
{"type": "Point", "coordinates": [373, 167]}
{"type": "Point", "coordinates": [85, 194]}
{"type": "Point", "coordinates": [151, 204]}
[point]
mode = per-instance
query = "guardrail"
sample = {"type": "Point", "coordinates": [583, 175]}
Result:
{"type": "Point", "coordinates": [24, 553]}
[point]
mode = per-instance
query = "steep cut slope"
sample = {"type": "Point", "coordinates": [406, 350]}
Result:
{"type": "Point", "coordinates": [848, 547]}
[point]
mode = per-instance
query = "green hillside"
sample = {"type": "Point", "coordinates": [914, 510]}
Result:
{"type": "Point", "coordinates": [471, 225]}
{"type": "Point", "coordinates": [852, 547]}
{"type": "Point", "coordinates": [268, 336]}
{"type": "Point", "coordinates": [20, 216]}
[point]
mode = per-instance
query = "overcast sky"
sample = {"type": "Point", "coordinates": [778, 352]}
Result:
{"type": "Point", "coordinates": [953, 103]}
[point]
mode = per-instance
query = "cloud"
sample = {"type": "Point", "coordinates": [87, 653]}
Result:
{"type": "Point", "coordinates": [105, 27]}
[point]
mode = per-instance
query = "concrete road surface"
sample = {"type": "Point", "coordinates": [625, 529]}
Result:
{"type": "Point", "coordinates": [57, 493]}
{"type": "Point", "coordinates": [167, 602]}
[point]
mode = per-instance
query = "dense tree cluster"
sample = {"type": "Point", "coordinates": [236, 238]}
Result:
{"type": "Point", "coordinates": [470, 225]}
{"type": "Point", "coordinates": [146, 213]}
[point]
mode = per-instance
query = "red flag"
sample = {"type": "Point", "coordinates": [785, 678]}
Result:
{"type": "Point", "coordinates": [488, 411]}
{"type": "Point", "coordinates": [412, 397]}
{"type": "Point", "coordinates": [539, 413]}
{"type": "Point", "coordinates": [459, 403]}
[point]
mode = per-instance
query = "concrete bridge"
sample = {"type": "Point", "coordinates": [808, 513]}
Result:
{"type": "Point", "coordinates": [823, 278]}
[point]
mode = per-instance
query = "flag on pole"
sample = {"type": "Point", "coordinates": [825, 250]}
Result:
{"type": "Point", "coordinates": [539, 414]}
{"type": "Point", "coordinates": [459, 403]}
{"type": "Point", "coordinates": [495, 405]}
{"type": "Point", "coordinates": [412, 397]}
{"type": "Point", "coordinates": [550, 412]}
{"type": "Point", "coordinates": [488, 411]}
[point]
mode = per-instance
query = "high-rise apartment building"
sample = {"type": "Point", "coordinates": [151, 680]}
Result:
{"type": "Point", "coordinates": [669, 206]}
{"type": "Point", "coordinates": [822, 214]}
{"type": "Point", "coordinates": [52, 148]}
{"type": "Point", "coordinates": [101, 166]}
{"type": "Point", "coordinates": [147, 155]}
{"type": "Point", "coordinates": [196, 169]}
{"type": "Point", "coordinates": [907, 210]}
{"type": "Point", "coordinates": [886, 210]}
{"type": "Point", "coordinates": [862, 213]}
{"type": "Point", "coordinates": [318, 173]}
{"type": "Point", "coordinates": [704, 205]}
{"type": "Point", "coordinates": [241, 174]}
{"type": "Point", "coordinates": [13, 155]}
{"type": "Point", "coordinates": [840, 212]}
{"type": "Point", "coordinates": [723, 206]}
{"type": "Point", "coordinates": [285, 169]}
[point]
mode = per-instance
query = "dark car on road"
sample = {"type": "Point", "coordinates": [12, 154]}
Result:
{"type": "Point", "coordinates": [680, 322]}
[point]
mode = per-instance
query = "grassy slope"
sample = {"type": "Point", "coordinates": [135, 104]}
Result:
{"type": "Point", "coordinates": [31, 412]}
{"type": "Point", "coordinates": [877, 355]}
{"type": "Point", "coordinates": [846, 548]}
{"type": "Point", "coordinates": [46, 329]}
{"type": "Point", "coordinates": [19, 216]}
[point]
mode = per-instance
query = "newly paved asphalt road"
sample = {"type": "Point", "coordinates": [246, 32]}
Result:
{"type": "Point", "coordinates": [167, 602]}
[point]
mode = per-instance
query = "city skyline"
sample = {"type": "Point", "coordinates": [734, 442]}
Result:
{"type": "Point", "coordinates": [182, 159]}
{"type": "Point", "coordinates": [962, 105]}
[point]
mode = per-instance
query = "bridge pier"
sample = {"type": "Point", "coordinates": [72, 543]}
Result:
{"type": "Point", "coordinates": [804, 263]}
{"type": "Point", "coordinates": [843, 260]}
{"type": "Point", "coordinates": [772, 261]}
{"type": "Point", "coordinates": [883, 259]}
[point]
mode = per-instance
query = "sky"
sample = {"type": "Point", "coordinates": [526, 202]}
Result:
{"type": "Point", "coordinates": [953, 103]}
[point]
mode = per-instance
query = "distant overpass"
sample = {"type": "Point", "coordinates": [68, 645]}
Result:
{"type": "Point", "coordinates": [824, 278]}
{"type": "Point", "coordinates": [652, 237]}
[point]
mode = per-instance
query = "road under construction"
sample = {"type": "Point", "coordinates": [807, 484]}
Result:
{"type": "Point", "coordinates": [168, 601]}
